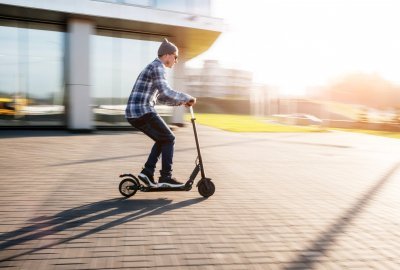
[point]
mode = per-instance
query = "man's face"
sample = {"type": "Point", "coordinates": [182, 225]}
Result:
{"type": "Point", "coordinates": [171, 60]}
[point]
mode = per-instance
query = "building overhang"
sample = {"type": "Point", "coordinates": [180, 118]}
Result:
{"type": "Point", "coordinates": [193, 34]}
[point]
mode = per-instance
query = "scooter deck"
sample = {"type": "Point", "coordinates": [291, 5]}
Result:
{"type": "Point", "coordinates": [155, 189]}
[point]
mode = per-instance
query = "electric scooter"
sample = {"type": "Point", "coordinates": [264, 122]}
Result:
{"type": "Point", "coordinates": [130, 184]}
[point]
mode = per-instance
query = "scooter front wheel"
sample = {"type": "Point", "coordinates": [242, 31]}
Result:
{"type": "Point", "coordinates": [206, 188]}
{"type": "Point", "coordinates": [128, 187]}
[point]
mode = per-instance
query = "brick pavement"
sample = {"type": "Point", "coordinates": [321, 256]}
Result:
{"type": "Point", "coordinates": [283, 201]}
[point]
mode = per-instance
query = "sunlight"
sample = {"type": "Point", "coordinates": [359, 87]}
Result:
{"type": "Point", "coordinates": [295, 45]}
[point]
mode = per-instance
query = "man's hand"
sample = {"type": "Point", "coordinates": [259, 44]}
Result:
{"type": "Point", "coordinates": [190, 102]}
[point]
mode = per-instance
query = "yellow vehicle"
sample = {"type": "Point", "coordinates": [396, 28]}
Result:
{"type": "Point", "coordinates": [12, 106]}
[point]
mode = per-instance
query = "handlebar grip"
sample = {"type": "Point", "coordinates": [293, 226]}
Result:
{"type": "Point", "coordinates": [191, 111]}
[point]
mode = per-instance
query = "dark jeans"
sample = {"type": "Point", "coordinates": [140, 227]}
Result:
{"type": "Point", "coordinates": [154, 126]}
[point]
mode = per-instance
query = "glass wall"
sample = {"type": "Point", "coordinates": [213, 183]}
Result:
{"type": "Point", "coordinates": [131, 2]}
{"type": "Point", "coordinates": [117, 60]}
{"type": "Point", "coordinates": [200, 7]}
{"type": "Point", "coordinates": [31, 74]}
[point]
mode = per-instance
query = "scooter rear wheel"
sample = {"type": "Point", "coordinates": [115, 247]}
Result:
{"type": "Point", "coordinates": [128, 187]}
{"type": "Point", "coordinates": [206, 188]}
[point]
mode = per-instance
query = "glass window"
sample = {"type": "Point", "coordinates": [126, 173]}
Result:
{"type": "Point", "coordinates": [146, 3]}
{"type": "Point", "coordinates": [201, 7]}
{"type": "Point", "coordinates": [117, 60]}
{"type": "Point", "coordinates": [31, 74]}
{"type": "Point", "coordinates": [174, 5]}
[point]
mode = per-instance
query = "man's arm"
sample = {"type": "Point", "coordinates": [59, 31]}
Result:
{"type": "Point", "coordinates": [167, 95]}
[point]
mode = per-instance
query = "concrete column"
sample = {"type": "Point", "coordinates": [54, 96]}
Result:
{"type": "Point", "coordinates": [79, 112]}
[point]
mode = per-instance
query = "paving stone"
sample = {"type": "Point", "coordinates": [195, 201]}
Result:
{"type": "Point", "coordinates": [282, 201]}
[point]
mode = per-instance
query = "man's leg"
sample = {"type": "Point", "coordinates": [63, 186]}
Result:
{"type": "Point", "coordinates": [155, 127]}
{"type": "Point", "coordinates": [153, 158]}
{"type": "Point", "coordinates": [167, 151]}
{"type": "Point", "coordinates": [147, 173]}
{"type": "Point", "coordinates": [166, 140]}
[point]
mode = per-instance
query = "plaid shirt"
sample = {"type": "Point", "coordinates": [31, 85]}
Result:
{"type": "Point", "coordinates": [151, 87]}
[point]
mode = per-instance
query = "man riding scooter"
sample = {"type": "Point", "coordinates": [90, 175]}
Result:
{"type": "Point", "coordinates": [150, 87]}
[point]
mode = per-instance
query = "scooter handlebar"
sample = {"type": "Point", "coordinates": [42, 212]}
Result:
{"type": "Point", "coordinates": [191, 111]}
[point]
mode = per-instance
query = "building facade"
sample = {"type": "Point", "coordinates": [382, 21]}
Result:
{"type": "Point", "coordinates": [212, 80]}
{"type": "Point", "coordinates": [72, 63]}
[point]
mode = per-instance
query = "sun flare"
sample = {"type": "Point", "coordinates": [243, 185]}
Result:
{"type": "Point", "coordinates": [297, 45]}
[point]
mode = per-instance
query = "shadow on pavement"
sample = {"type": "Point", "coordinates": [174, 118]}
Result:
{"type": "Point", "coordinates": [308, 257]}
{"type": "Point", "coordinates": [72, 218]}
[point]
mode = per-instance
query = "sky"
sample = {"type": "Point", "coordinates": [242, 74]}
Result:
{"type": "Point", "coordinates": [295, 45]}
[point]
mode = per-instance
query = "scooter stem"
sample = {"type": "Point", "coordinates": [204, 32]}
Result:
{"type": "Point", "coordinates": [191, 112]}
{"type": "Point", "coordinates": [203, 175]}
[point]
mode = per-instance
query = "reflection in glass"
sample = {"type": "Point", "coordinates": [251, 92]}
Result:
{"type": "Point", "coordinates": [31, 74]}
{"type": "Point", "coordinates": [174, 5]}
{"type": "Point", "coordinates": [201, 7]}
{"type": "Point", "coordinates": [139, 2]}
{"type": "Point", "coordinates": [146, 3]}
{"type": "Point", "coordinates": [117, 60]}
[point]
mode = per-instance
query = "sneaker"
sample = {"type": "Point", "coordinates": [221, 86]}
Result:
{"type": "Point", "coordinates": [169, 182]}
{"type": "Point", "coordinates": [147, 178]}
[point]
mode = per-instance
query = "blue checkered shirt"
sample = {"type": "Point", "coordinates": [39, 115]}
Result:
{"type": "Point", "coordinates": [151, 87]}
